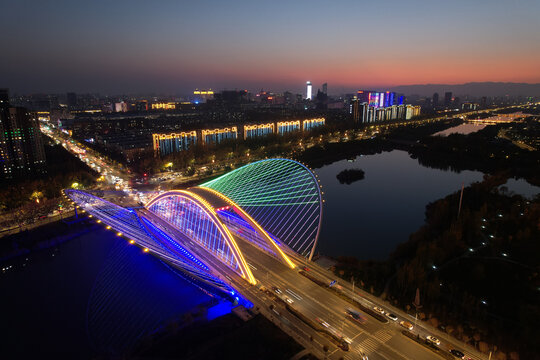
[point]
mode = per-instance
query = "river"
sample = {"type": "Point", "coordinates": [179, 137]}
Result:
{"type": "Point", "coordinates": [370, 217]}
{"type": "Point", "coordinates": [94, 294]}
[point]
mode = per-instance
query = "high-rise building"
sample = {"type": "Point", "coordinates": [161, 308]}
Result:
{"type": "Point", "coordinates": [435, 100]}
{"type": "Point", "coordinates": [309, 90]}
{"type": "Point", "coordinates": [284, 127]}
{"type": "Point", "coordinates": [377, 98]}
{"type": "Point", "coordinates": [21, 145]}
{"type": "Point", "coordinates": [4, 98]}
{"type": "Point", "coordinates": [325, 88]}
{"type": "Point", "coordinates": [483, 102]}
{"type": "Point", "coordinates": [258, 130]}
{"type": "Point", "coordinates": [447, 98]}
{"type": "Point", "coordinates": [201, 96]}
{"type": "Point", "coordinates": [169, 143]}
{"type": "Point", "coordinates": [71, 100]}
{"type": "Point", "coordinates": [216, 136]}
{"type": "Point", "coordinates": [310, 124]}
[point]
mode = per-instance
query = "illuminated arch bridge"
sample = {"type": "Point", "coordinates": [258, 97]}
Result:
{"type": "Point", "coordinates": [274, 205]}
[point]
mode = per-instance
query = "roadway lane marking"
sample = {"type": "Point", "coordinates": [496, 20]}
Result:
{"type": "Point", "coordinates": [298, 297]}
{"type": "Point", "coordinates": [383, 335]}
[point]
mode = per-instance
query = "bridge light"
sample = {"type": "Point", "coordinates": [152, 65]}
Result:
{"type": "Point", "coordinates": [108, 227]}
{"type": "Point", "coordinates": [118, 234]}
{"type": "Point", "coordinates": [132, 241]}
{"type": "Point", "coordinates": [99, 221]}
{"type": "Point", "coordinates": [146, 250]}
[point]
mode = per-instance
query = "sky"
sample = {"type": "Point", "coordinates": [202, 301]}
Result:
{"type": "Point", "coordinates": [114, 47]}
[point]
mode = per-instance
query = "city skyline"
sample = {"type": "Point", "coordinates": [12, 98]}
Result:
{"type": "Point", "coordinates": [130, 47]}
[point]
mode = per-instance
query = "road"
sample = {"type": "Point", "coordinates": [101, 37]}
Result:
{"type": "Point", "coordinates": [376, 339]}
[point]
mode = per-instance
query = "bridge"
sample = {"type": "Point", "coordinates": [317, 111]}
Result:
{"type": "Point", "coordinates": [248, 236]}
{"type": "Point", "coordinates": [273, 205]}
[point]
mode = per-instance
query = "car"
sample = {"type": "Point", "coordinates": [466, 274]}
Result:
{"type": "Point", "coordinates": [276, 289]}
{"type": "Point", "coordinates": [457, 353]}
{"type": "Point", "coordinates": [433, 340]}
{"type": "Point", "coordinates": [322, 322]}
{"type": "Point", "coordinates": [288, 299]}
{"type": "Point", "coordinates": [407, 325]}
{"type": "Point", "coordinates": [391, 316]}
{"type": "Point", "coordinates": [379, 310]}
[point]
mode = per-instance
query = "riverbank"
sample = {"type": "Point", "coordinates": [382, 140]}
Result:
{"type": "Point", "coordinates": [460, 264]}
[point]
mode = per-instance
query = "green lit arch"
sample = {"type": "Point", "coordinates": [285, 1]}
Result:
{"type": "Point", "coordinates": [282, 195]}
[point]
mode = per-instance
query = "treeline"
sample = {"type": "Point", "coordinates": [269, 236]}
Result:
{"type": "Point", "coordinates": [480, 151]}
{"type": "Point", "coordinates": [477, 273]}
{"type": "Point", "coordinates": [401, 138]}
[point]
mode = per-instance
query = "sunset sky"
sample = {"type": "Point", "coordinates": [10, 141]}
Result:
{"type": "Point", "coordinates": [175, 46]}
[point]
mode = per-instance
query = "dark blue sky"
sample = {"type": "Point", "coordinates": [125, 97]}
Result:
{"type": "Point", "coordinates": [175, 46]}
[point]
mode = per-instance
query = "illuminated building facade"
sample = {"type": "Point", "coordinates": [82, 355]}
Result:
{"type": "Point", "coordinates": [284, 127]}
{"type": "Point", "coordinates": [251, 131]}
{"type": "Point", "coordinates": [164, 106]}
{"type": "Point", "coordinates": [215, 136]}
{"type": "Point", "coordinates": [21, 145]}
{"type": "Point", "coordinates": [309, 90]}
{"type": "Point", "coordinates": [363, 113]}
{"type": "Point", "coordinates": [201, 96]}
{"type": "Point", "coordinates": [469, 106]}
{"type": "Point", "coordinates": [165, 144]}
{"type": "Point", "coordinates": [411, 111]}
{"type": "Point", "coordinates": [378, 99]}
{"type": "Point", "coordinates": [312, 123]}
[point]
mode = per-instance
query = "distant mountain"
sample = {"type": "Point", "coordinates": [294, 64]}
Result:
{"type": "Point", "coordinates": [476, 89]}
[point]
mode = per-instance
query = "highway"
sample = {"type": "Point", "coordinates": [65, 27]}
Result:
{"type": "Point", "coordinates": [280, 289]}
{"type": "Point", "coordinates": [375, 339]}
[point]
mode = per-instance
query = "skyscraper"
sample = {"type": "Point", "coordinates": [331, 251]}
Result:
{"type": "Point", "coordinates": [21, 146]}
{"type": "Point", "coordinates": [447, 98]}
{"type": "Point", "coordinates": [435, 101]}
{"type": "Point", "coordinates": [309, 90]}
{"type": "Point", "coordinates": [4, 98]}
{"type": "Point", "coordinates": [325, 88]}
{"type": "Point", "coordinates": [71, 100]}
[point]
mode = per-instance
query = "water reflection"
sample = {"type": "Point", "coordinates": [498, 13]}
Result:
{"type": "Point", "coordinates": [463, 129]}
{"type": "Point", "coordinates": [133, 295]}
{"type": "Point", "coordinates": [368, 218]}
{"type": "Point", "coordinates": [521, 187]}
{"type": "Point", "coordinates": [92, 295]}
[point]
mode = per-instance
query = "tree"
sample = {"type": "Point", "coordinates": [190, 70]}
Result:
{"type": "Point", "coordinates": [36, 196]}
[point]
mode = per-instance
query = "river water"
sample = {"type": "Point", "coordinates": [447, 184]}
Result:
{"type": "Point", "coordinates": [94, 294]}
{"type": "Point", "coordinates": [369, 217]}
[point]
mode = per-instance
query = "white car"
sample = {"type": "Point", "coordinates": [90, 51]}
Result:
{"type": "Point", "coordinates": [288, 299]}
{"type": "Point", "coordinates": [433, 340]}
{"type": "Point", "coordinates": [391, 316]}
{"type": "Point", "coordinates": [323, 323]}
{"type": "Point", "coordinates": [379, 310]}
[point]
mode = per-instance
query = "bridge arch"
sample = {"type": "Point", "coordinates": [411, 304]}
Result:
{"type": "Point", "coordinates": [281, 195]}
{"type": "Point", "coordinates": [194, 217]}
